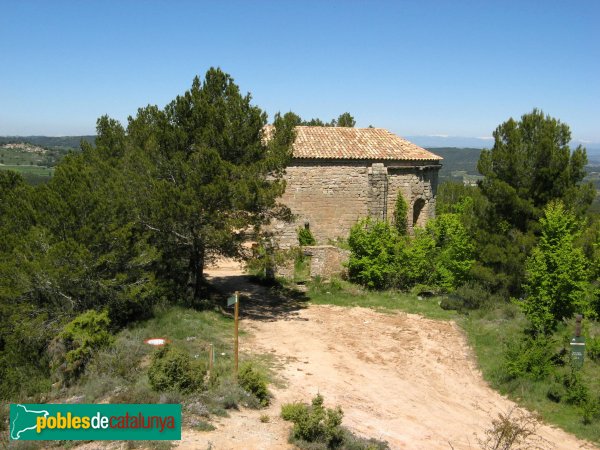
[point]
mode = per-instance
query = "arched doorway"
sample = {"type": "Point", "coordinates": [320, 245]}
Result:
{"type": "Point", "coordinates": [417, 209]}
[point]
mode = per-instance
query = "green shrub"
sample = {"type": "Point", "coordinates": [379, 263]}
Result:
{"type": "Point", "coordinates": [469, 296]}
{"type": "Point", "coordinates": [254, 382]}
{"type": "Point", "coordinates": [590, 411]}
{"type": "Point", "coordinates": [556, 272]}
{"type": "Point", "coordinates": [228, 395]}
{"type": "Point", "coordinates": [401, 215]}
{"type": "Point", "coordinates": [453, 257]}
{"type": "Point", "coordinates": [593, 348]}
{"type": "Point", "coordinates": [374, 253]}
{"type": "Point", "coordinates": [381, 257]}
{"type": "Point", "coordinates": [293, 411]}
{"type": "Point", "coordinates": [416, 260]}
{"type": "Point", "coordinates": [529, 357]}
{"type": "Point", "coordinates": [121, 360]}
{"type": "Point", "coordinates": [576, 391]}
{"type": "Point", "coordinates": [305, 237]}
{"type": "Point", "coordinates": [172, 370]}
{"type": "Point", "coordinates": [315, 423]}
{"type": "Point", "coordinates": [71, 350]}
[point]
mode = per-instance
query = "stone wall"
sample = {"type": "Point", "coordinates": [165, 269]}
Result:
{"type": "Point", "coordinates": [419, 188]}
{"type": "Point", "coordinates": [326, 260]}
{"type": "Point", "coordinates": [330, 196]}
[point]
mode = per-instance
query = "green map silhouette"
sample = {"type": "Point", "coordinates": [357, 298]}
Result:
{"type": "Point", "coordinates": [23, 419]}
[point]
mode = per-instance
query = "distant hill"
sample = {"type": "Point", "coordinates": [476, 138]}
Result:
{"type": "Point", "coordinates": [451, 141]}
{"type": "Point", "coordinates": [593, 156]}
{"type": "Point", "coordinates": [459, 164]}
{"type": "Point", "coordinates": [50, 142]}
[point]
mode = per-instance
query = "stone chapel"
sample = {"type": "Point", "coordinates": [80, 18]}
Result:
{"type": "Point", "coordinates": [338, 175]}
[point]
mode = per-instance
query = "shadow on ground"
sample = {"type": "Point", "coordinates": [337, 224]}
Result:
{"type": "Point", "coordinates": [258, 301]}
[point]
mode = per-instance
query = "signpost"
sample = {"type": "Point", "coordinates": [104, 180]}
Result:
{"type": "Point", "coordinates": [211, 359]}
{"type": "Point", "coordinates": [234, 300]}
{"type": "Point", "coordinates": [577, 344]}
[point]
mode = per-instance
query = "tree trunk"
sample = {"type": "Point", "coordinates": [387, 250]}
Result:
{"type": "Point", "coordinates": [197, 269]}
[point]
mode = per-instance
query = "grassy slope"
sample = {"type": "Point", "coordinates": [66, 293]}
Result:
{"type": "Point", "coordinates": [486, 330]}
{"type": "Point", "coordinates": [121, 371]}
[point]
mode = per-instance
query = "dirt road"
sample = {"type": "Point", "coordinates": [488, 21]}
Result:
{"type": "Point", "coordinates": [398, 377]}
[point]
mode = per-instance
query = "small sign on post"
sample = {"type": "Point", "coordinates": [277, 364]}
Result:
{"type": "Point", "coordinates": [577, 344]}
{"type": "Point", "coordinates": [234, 300]}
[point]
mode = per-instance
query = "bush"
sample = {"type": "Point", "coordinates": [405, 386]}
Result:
{"type": "Point", "coordinates": [318, 428]}
{"type": "Point", "coordinates": [254, 382]}
{"type": "Point", "coordinates": [172, 370]}
{"type": "Point", "coordinates": [293, 411]}
{"type": "Point", "coordinates": [576, 391]}
{"type": "Point", "coordinates": [305, 237]}
{"type": "Point", "coordinates": [469, 296]}
{"type": "Point", "coordinates": [590, 411]}
{"type": "Point", "coordinates": [529, 357]}
{"type": "Point", "coordinates": [454, 251]}
{"type": "Point", "coordinates": [315, 423]}
{"type": "Point", "coordinates": [71, 350]}
{"type": "Point", "coordinates": [440, 254]}
{"type": "Point", "coordinates": [593, 348]}
{"type": "Point", "coordinates": [374, 249]}
{"type": "Point", "coordinates": [416, 260]}
{"type": "Point", "coordinates": [513, 429]}
{"type": "Point", "coordinates": [121, 360]}
{"type": "Point", "coordinates": [400, 215]}
{"type": "Point", "coordinates": [556, 272]}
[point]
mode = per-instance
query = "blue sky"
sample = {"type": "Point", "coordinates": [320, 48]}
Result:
{"type": "Point", "coordinates": [455, 68]}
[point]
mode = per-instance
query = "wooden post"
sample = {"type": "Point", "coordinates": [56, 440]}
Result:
{"type": "Point", "coordinates": [235, 342]}
{"type": "Point", "coordinates": [578, 319]}
{"type": "Point", "coordinates": [211, 357]}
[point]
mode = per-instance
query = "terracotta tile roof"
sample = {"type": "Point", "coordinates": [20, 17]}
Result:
{"type": "Point", "coordinates": [356, 143]}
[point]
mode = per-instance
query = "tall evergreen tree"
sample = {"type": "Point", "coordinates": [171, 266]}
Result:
{"type": "Point", "coordinates": [530, 165]}
{"type": "Point", "coordinates": [205, 174]}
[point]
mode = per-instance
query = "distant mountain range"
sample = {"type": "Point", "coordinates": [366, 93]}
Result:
{"type": "Point", "coordinates": [440, 141]}
{"type": "Point", "coordinates": [451, 141]}
{"type": "Point", "coordinates": [430, 142]}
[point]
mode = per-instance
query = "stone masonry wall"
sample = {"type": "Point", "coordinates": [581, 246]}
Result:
{"type": "Point", "coordinates": [378, 187]}
{"type": "Point", "coordinates": [415, 184]}
{"type": "Point", "coordinates": [330, 196]}
{"type": "Point", "coordinates": [326, 260]}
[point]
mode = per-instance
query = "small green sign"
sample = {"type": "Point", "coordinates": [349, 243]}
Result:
{"type": "Point", "coordinates": [232, 300]}
{"type": "Point", "coordinates": [577, 350]}
{"type": "Point", "coordinates": [45, 422]}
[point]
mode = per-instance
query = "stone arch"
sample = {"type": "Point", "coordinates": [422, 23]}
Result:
{"type": "Point", "coordinates": [418, 216]}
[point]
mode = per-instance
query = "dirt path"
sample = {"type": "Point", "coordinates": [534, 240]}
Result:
{"type": "Point", "coordinates": [398, 377]}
